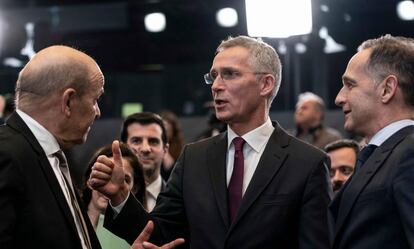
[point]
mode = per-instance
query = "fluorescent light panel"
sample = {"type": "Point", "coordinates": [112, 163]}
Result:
{"type": "Point", "coordinates": [278, 18]}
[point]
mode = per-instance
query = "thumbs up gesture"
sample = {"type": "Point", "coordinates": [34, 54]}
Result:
{"type": "Point", "coordinates": [108, 177]}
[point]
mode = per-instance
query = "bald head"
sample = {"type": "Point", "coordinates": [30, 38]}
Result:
{"type": "Point", "coordinates": [52, 70]}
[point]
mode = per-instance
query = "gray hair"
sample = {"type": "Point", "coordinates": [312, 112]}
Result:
{"type": "Point", "coordinates": [263, 57]}
{"type": "Point", "coordinates": [392, 55]}
{"type": "Point", "coordinates": [320, 104]}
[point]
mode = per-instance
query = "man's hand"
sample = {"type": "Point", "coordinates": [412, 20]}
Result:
{"type": "Point", "coordinates": [108, 177]}
{"type": "Point", "coordinates": [141, 241]}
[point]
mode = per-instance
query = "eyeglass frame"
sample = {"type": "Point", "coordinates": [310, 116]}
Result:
{"type": "Point", "coordinates": [210, 80]}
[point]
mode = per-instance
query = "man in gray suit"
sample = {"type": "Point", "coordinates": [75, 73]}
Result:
{"type": "Point", "coordinates": [245, 188]}
{"type": "Point", "coordinates": [374, 209]}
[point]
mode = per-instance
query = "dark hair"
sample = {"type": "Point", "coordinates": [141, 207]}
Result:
{"type": "Point", "coordinates": [342, 143]}
{"type": "Point", "coordinates": [143, 118]}
{"type": "Point", "coordinates": [176, 140]}
{"type": "Point", "coordinates": [128, 154]}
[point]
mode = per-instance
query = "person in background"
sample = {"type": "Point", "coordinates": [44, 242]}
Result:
{"type": "Point", "coordinates": [96, 203]}
{"type": "Point", "coordinates": [343, 154]}
{"type": "Point", "coordinates": [253, 186]}
{"type": "Point", "coordinates": [146, 135]}
{"type": "Point", "coordinates": [175, 141]}
{"type": "Point", "coordinates": [375, 209]}
{"type": "Point", "coordinates": [2, 106]}
{"type": "Point", "coordinates": [309, 116]}
{"type": "Point", "coordinates": [215, 126]}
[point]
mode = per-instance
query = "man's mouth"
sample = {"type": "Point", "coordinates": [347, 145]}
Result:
{"type": "Point", "coordinates": [219, 102]}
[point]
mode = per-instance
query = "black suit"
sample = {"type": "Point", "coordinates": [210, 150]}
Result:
{"type": "Point", "coordinates": [375, 208]}
{"type": "Point", "coordinates": [33, 209]}
{"type": "Point", "coordinates": [284, 206]}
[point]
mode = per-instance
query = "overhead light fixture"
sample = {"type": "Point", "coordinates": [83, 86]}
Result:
{"type": "Point", "coordinates": [300, 48]}
{"type": "Point", "coordinates": [278, 19]}
{"type": "Point", "coordinates": [155, 22]}
{"type": "Point", "coordinates": [331, 46]}
{"type": "Point", "coordinates": [227, 17]}
{"type": "Point", "coordinates": [405, 10]}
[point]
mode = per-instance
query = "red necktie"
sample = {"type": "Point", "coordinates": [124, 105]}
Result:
{"type": "Point", "coordinates": [235, 187]}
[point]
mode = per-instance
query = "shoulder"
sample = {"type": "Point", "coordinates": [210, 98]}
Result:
{"type": "Point", "coordinates": [332, 132]}
{"type": "Point", "coordinates": [207, 142]}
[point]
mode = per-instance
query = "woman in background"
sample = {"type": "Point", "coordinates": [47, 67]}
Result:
{"type": "Point", "coordinates": [175, 141]}
{"type": "Point", "coordinates": [97, 203]}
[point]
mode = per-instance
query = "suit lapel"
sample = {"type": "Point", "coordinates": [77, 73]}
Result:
{"type": "Point", "coordinates": [363, 177]}
{"type": "Point", "coordinates": [18, 124]}
{"type": "Point", "coordinates": [216, 161]}
{"type": "Point", "coordinates": [270, 162]}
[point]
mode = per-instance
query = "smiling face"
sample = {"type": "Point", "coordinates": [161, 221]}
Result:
{"type": "Point", "coordinates": [146, 142]}
{"type": "Point", "coordinates": [240, 99]}
{"type": "Point", "coordinates": [359, 98]}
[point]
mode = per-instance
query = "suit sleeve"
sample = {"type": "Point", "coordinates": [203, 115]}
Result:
{"type": "Point", "coordinates": [168, 215]}
{"type": "Point", "coordinates": [403, 188]}
{"type": "Point", "coordinates": [314, 232]}
{"type": "Point", "coordinates": [10, 191]}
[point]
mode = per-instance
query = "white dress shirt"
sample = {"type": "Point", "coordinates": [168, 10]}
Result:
{"type": "Point", "coordinates": [49, 145]}
{"type": "Point", "coordinates": [256, 141]}
{"type": "Point", "coordinates": [152, 192]}
{"type": "Point", "coordinates": [389, 130]}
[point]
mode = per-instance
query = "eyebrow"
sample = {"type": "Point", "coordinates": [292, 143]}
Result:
{"type": "Point", "coordinates": [348, 79]}
{"type": "Point", "coordinates": [224, 68]}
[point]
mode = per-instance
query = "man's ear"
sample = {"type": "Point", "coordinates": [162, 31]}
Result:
{"type": "Point", "coordinates": [67, 99]}
{"type": "Point", "coordinates": [166, 147]}
{"type": "Point", "coordinates": [269, 83]}
{"type": "Point", "coordinates": [389, 87]}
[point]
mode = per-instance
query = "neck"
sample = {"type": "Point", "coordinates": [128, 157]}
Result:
{"type": "Point", "coordinates": [242, 128]}
{"type": "Point", "coordinates": [151, 177]}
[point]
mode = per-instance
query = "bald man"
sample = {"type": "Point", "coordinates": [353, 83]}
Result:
{"type": "Point", "coordinates": [56, 103]}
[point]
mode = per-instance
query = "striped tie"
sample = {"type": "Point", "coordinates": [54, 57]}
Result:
{"type": "Point", "coordinates": [63, 165]}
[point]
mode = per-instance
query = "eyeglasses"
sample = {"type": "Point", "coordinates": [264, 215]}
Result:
{"type": "Point", "coordinates": [225, 75]}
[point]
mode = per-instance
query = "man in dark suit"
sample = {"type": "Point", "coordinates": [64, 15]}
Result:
{"type": "Point", "coordinates": [146, 135]}
{"type": "Point", "coordinates": [245, 188]}
{"type": "Point", "coordinates": [374, 209]}
{"type": "Point", "coordinates": [56, 101]}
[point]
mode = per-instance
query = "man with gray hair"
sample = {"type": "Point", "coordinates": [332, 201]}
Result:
{"type": "Point", "coordinates": [375, 208]}
{"type": "Point", "coordinates": [244, 188]}
{"type": "Point", "coordinates": [309, 116]}
{"type": "Point", "coordinates": [56, 104]}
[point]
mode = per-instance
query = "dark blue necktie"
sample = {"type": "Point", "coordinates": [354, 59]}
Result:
{"type": "Point", "coordinates": [364, 154]}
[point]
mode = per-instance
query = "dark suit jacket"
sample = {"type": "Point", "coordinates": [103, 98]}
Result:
{"type": "Point", "coordinates": [33, 210]}
{"type": "Point", "coordinates": [375, 208]}
{"type": "Point", "coordinates": [284, 206]}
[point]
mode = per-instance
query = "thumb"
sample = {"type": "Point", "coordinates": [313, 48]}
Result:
{"type": "Point", "coordinates": [116, 153]}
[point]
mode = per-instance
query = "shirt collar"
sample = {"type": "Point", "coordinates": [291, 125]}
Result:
{"type": "Point", "coordinates": [154, 188]}
{"type": "Point", "coordinates": [256, 138]}
{"type": "Point", "coordinates": [389, 130]}
{"type": "Point", "coordinates": [46, 140]}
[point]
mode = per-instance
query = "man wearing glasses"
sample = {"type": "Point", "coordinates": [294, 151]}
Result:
{"type": "Point", "coordinates": [253, 186]}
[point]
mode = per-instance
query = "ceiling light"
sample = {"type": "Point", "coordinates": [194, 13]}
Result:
{"type": "Point", "coordinates": [227, 17]}
{"type": "Point", "coordinates": [155, 22]}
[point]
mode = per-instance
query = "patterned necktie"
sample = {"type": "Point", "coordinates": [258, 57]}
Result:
{"type": "Point", "coordinates": [364, 154]}
{"type": "Point", "coordinates": [63, 165]}
{"type": "Point", "coordinates": [235, 187]}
